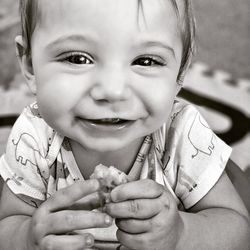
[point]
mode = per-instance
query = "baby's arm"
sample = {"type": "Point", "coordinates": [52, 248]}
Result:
{"type": "Point", "coordinates": [23, 227]}
{"type": "Point", "coordinates": [14, 216]}
{"type": "Point", "coordinates": [219, 221]}
{"type": "Point", "coordinates": [147, 217]}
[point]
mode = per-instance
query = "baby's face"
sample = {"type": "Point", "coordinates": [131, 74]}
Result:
{"type": "Point", "coordinates": [106, 72]}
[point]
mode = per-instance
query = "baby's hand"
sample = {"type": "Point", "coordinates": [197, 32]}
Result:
{"type": "Point", "coordinates": [54, 222]}
{"type": "Point", "coordinates": [146, 215]}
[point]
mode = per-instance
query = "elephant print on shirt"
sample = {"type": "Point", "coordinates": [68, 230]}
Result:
{"type": "Point", "coordinates": [26, 150]}
{"type": "Point", "coordinates": [205, 144]}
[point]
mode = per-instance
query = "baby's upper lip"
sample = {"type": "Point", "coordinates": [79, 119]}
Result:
{"type": "Point", "coordinates": [107, 118]}
{"type": "Point", "coordinates": [109, 121]}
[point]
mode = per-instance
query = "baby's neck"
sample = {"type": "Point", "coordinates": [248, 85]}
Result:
{"type": "Point", "coordinates": [122, 159]}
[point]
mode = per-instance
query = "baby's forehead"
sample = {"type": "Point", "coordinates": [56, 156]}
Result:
{"type": "Point", "coordinates": [142, 11]}
{"type": "Point", "coordinates": [45, 6]}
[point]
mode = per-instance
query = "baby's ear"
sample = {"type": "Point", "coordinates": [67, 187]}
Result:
{"type": "Point", "coordinates": [25, 63]}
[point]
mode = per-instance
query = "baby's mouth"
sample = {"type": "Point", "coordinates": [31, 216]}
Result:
{"type": "Point", "coordinates": [109, 121]}
{"type": "Point", "coordinates": [106, 124]}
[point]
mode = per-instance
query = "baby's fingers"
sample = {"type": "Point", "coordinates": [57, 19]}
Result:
{"type": "Point", "coordinates": [65, 242]}
{"type": "Point", "coordinates": [134, 226]}
{"type": "Point", "coordinates": [89, 202]}
{"type": "Point", "coordinates": [147, 189]}
{"type": "Point", "coordinates": [66, 197]}
{"type": "Point", "coordinates": [66, 221]}
{"type": "Point", "coordinates": [138, 208]}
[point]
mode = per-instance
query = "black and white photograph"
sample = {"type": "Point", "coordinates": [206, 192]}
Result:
{"type": "Point", "coordinates": [124, 125]}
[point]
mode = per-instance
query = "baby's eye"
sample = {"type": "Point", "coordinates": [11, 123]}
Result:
{"type": "Point", "coordinates": [77, 58]}
{"type": "Point", "coordinates": [148, 61]}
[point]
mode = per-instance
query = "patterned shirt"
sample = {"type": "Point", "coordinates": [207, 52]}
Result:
{"type": "Point", "coordinates": [184, 155]}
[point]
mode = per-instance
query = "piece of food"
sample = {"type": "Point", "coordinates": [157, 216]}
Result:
{"type": "Point", "coordinates": [109, 178]}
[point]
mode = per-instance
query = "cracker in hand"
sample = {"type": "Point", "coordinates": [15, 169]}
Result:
{"type": "Point", "coordinates": [109, 177]}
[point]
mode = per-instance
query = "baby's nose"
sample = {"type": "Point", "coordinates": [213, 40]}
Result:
{"type": "Point", "coordinates": [111, 86]}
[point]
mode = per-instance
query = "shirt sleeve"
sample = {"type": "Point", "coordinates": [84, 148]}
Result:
{"type": "Point", "coordinates": [24, 165]}
{"type": "Point", "coordinates": [196, 156]}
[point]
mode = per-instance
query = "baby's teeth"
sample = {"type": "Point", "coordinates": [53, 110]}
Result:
{"type": "Point", "coordinates": [113, 120]}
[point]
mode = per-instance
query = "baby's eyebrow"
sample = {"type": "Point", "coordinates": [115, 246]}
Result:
{"type": "Point", "coordinates": [69, 38]}
{"type": "Point", "coordinates": [159, 44]}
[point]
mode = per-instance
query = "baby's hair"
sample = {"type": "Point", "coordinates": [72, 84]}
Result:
{"type": "Point", "coordinates": [29, 16]}
{"type": "Point", "coordinates": [187, 28]}
{"type": "Point", "coordinates": [28, 12]}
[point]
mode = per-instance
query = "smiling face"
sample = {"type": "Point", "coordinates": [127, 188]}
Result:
{"type": "Point", "coordinates": [105, 73]}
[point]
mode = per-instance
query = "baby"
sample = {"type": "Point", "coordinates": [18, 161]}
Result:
{"type": "Point", "coordinates": [105, 74]}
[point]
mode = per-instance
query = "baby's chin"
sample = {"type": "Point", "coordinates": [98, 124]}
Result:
{"type": "Point", "coordinates": [104, 145]}
{"type": "Point", "coordinates": [99, 146]}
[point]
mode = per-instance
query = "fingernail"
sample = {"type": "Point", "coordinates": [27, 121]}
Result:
{"type": "Point", "coordinates": [89, 241]}
{"type": "Point", "coordinates": [108, 220]}
{"type": "Point", "coordinates": [108, 198]}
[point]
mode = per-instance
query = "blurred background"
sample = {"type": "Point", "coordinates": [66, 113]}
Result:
{"type": "Point", "coordinates": [218, 81]}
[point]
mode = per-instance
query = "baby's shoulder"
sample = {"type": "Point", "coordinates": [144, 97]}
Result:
{"type": "Point", "coordinates": [182, 110]}
{"type": "Point", "coordinates": [31, 132]}
{"type": "Point", "coordinates": [31, 124]}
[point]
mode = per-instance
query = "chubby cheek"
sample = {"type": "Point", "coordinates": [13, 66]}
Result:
{"type": "Point", "coordinates": [160, 102]}
{"type": "Point", "coordinates": [49, 108]}
{"type": "Point", "coordinates": [52, 99]}
{"type": "Point", "coordinates": [57, 89]}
